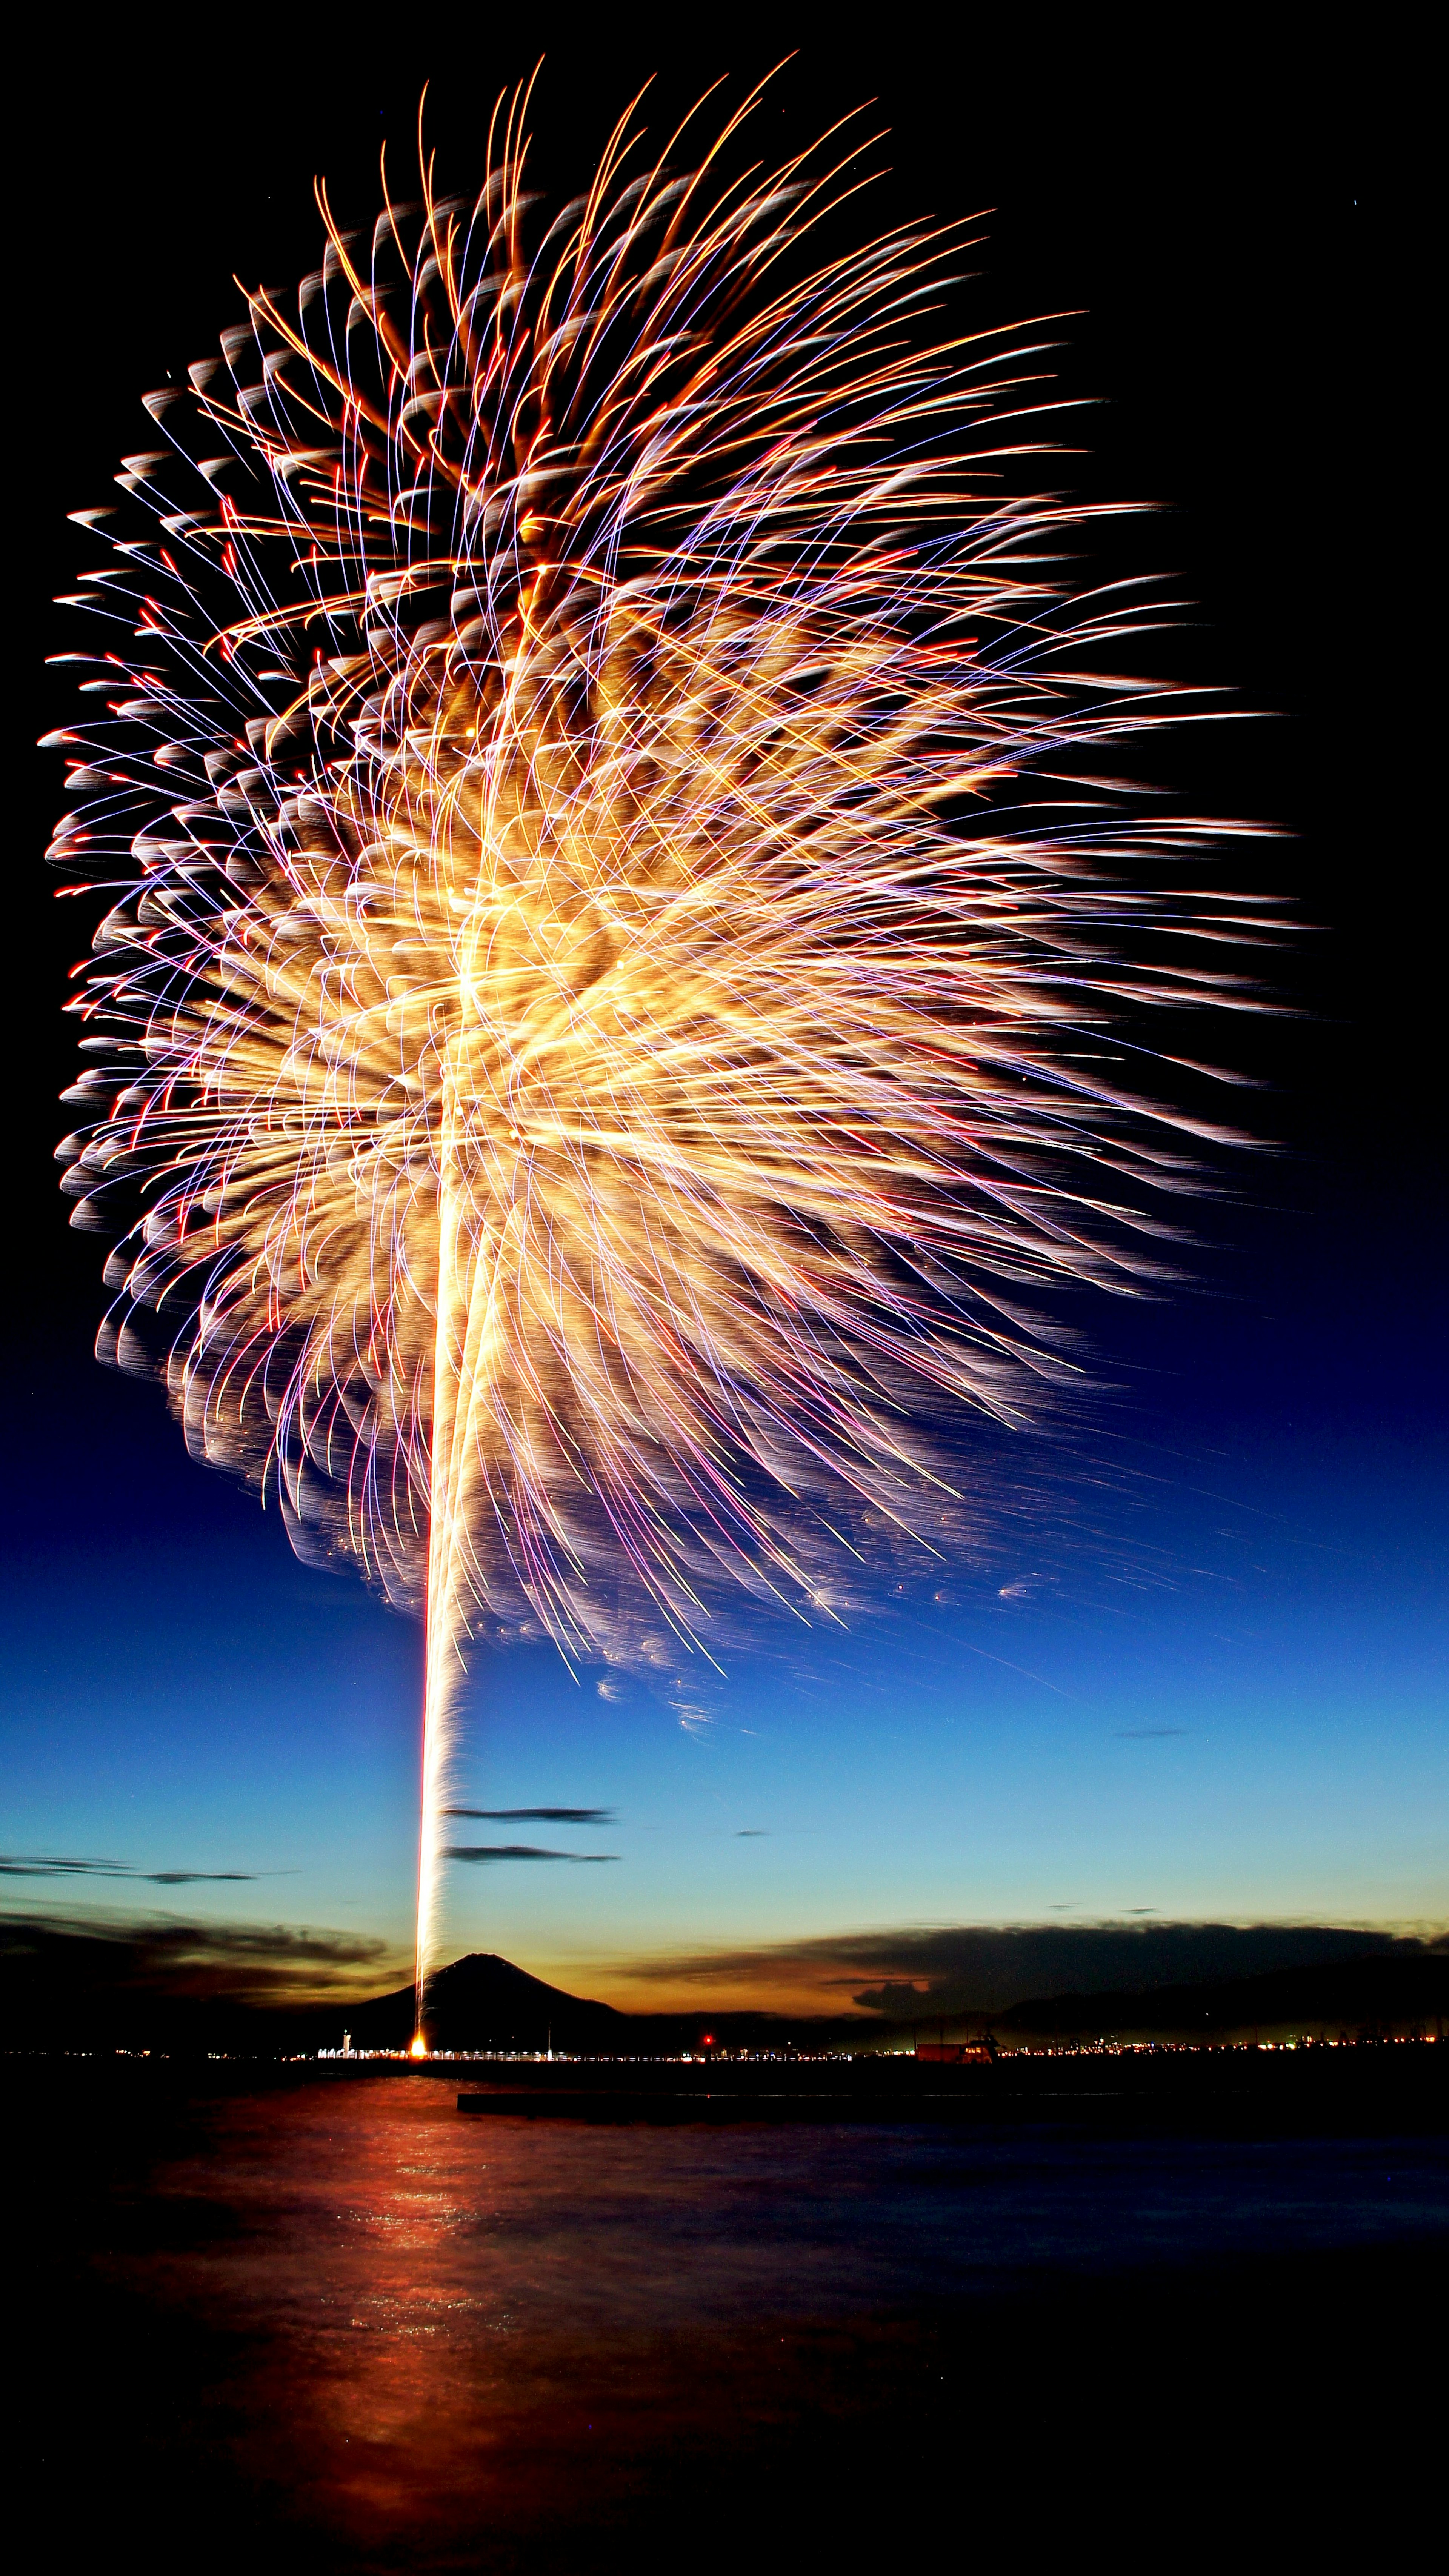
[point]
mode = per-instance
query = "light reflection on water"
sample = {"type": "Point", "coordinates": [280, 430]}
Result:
{"type": "Point", "coordinates": [437, 2326]}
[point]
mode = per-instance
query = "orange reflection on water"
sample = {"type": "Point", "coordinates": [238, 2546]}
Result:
{"type": "Point", "coordinates": [445, 2327]}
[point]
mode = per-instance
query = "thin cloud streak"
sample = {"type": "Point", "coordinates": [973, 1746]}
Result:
{"type": "Point", "coordinates": [519, 1851]}
{"type": "Point", "coordinates": [51, 1865]}
{"type": "Point", "coordinates": [537, 1815]}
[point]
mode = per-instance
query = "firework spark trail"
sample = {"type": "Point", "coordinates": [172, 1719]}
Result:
{"type": "Point", "coordinates": [602, 1039]}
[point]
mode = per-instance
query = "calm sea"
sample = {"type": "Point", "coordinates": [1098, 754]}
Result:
{"type": "Point", "coordinates": [341, 2323]}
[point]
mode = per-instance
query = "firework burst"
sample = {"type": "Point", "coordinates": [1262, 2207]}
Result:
{"type": "Point", "coordinates": [594, 1036]}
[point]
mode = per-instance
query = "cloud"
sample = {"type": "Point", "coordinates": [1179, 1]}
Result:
{"type": "Point", "coordinates": [1143, 1734]}
{"type": "Point", "coordinates": [42, 1865]}
{"type": "Point", "coordinates": [537, 1815]}
{"type": "Point", "coordinates": [898, 1998]}
{"type": "Point", "coordinates": [986, 1968]}
{"type": "Point", "coordinates": [111, 1980]}
{"type": "Point", "coordinates": [752, 1834]}
{"type": "Point", "coordinates": [519, 1851]}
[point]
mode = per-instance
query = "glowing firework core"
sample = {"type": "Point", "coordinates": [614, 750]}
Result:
{"type": "Point", "coordinates": [600, 1033]}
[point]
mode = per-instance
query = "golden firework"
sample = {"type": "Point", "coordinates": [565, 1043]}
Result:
{"type": "Point", "coordinates": [601, 1029]}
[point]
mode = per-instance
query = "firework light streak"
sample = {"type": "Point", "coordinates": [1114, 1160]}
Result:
{"type": "Point", "coordinates": [593, 1037]}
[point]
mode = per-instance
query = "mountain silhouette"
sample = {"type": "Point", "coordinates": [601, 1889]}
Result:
{"type": "Point", "coordinates": [84, 1985]}
{"type": "Point", "coordinates": [483, 2001]}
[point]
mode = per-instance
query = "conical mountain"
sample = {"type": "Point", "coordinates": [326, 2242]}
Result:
{"type": "Point", "coordinates": [482, 2001]}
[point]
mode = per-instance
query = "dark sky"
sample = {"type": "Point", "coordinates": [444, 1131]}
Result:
{"type": "Point", "coordinates": [182, 1696]}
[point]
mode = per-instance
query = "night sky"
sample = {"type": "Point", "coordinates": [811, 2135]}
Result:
{"type": "Point", "coordinates": [1196, 1672]}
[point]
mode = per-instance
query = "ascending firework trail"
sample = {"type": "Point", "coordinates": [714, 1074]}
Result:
{"type": "Point", "coordinates": [596, 1029]}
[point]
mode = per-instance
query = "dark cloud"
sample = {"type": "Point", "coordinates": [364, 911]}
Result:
{"type": "Point", "coordinates": [50, 1865]}
{"type": "Point", "coordinates": [898, 1999]}
{"type": "Point", "coordinates": [536, 1815]}
{"type": "Point", "coordinates": [93, 1979]}
{"type": "Point", "coordinates": [987, 1968]}
{"type": "Point", "coordinates": [519, 1851]}
{"type": "Point", "coordinates": [752, 1834]}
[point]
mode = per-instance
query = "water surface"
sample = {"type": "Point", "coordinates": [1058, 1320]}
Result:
{"type": "Point", "coordinates": [343, 2318]}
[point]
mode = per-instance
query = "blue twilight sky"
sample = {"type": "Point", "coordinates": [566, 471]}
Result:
{"type": "Point", "coordinates": [1215, 1690]}
{"type": "Point", "coordinates": [1202, 1673]}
